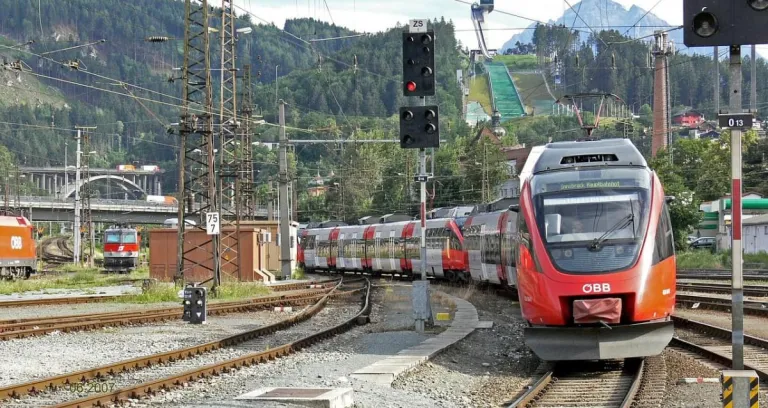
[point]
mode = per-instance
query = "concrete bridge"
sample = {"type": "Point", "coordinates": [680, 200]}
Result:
{"type": "Point", "coordinates": [60, 181]}
{"type": "Point", "coordinates": [108, 211]}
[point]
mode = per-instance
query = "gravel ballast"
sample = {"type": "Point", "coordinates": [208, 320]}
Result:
{"type": "Point", "coordinates": [58, 353]}
{"type": "Point", "coordinates": [330, 316]}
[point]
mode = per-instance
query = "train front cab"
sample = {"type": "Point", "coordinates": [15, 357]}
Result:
{"type": "Point", "coordinates": [121, 250]}
{"type": "Point", "coordinates": [612, 300]}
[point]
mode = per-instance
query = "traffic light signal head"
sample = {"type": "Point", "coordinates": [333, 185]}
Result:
{"type": "Point", "coordinates": [419, 127]}
{"type": "Point", "coordinates": [716, 22]}
{"type": "Point", "coordinates": [419, 64]}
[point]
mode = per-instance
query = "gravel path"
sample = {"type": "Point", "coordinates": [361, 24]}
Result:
{"type": "Point", "coordinates": [705, 395]}
{"type": "Point", "coordinates": [63, 292]}
{"type": "Point", "coordinates": [489, 367]}
{"type": "Point", "coordinates": [753, 325]}
{"type": "Point", "coordinates": [329, 316]}
{"type": "Point", "coordinates": [52, 354]}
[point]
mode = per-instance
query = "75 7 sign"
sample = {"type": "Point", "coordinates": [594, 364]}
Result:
{"type": "Point", "coordinates": [212, 223]}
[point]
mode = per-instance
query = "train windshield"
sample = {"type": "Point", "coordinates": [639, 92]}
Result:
{"type": "Point", "coordinates": [113, 237]}
{"type": "Point", "coordinates": [592, 220]}
{"type": "Point", "coordinates": [129, 238]}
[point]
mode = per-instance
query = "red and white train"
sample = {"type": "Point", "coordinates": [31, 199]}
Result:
{"type": "Point", "coordinates": [589, 250]}
{"type": "Point", "coordinates": [386, 248]}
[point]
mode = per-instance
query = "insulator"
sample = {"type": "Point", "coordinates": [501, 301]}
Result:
{"type": "Point", "coordinates": [577, 61]}
{"type": "Point", "coordinates": [555, 59]}
{"type": "Point", "coordinates": [613, 60]}
{"type": "Point", "coordinates": [156, 39]}
{"type": "Point", "coordinates": [258, 58]}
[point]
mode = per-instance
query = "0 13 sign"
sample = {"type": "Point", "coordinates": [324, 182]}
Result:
{"type": "Point", "coordinates": [736, 120]}
{"type": "Point", "coordinates": [212, 223]}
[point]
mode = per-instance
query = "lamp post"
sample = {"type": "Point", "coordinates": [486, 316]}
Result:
{"type": "Point", "coordinates": [276, 66]}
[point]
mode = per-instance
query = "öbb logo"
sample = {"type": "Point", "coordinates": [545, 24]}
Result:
{"type": "Point", "coordinates": [596, 288]}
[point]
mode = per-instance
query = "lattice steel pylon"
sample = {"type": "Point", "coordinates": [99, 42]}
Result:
{"type": "Point", "coordinates": [87, 192]}
{"type": "Point", "coordinates": [229, 146]}
{"type": "Point", "coordinates": [246, 163]}
{"type": "Point", "coordinates": [197, 181]}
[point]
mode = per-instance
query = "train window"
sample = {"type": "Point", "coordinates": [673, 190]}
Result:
{"type": "Point", "coordinates": [112, 238]}
{"type": "Point", "coordinates": [664, 247]}
{"type": "Point", "coordinates": [129, 238]}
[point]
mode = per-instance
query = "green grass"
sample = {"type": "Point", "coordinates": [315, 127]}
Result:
{"type": "Point", "coordinates": [169, 293]}
{"type": "Point", "coordinates": [298, 274]}
{"type": "Point", "coordinates": [704, 259]}
{"type": "Point", "coordinates": [517, 62]}
{"type": "Point", "coordinates": [532, 89]}
{"type": "Point", "coordinates": [71, 277]}
{"type": "Point", "coordinates": [481, 93]}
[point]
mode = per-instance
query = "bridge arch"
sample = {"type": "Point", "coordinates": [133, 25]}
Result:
{"type": "Point", "coordinates": [127, 185]}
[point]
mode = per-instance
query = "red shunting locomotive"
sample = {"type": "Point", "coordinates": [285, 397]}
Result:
{"type": "Point", "coordinates": [121, 249]}
{"type": "Point", "coordinates": [596, 258]}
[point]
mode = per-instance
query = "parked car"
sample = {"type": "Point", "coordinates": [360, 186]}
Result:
{"type": "Point", "coordinates": [703, 243]}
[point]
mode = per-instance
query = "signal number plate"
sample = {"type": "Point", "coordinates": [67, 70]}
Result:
{"type": "Point", "coordinates": [596, 288]}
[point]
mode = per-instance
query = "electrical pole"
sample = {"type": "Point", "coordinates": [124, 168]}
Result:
{"type": "Point", "coordinates": [229, 150]}
{"type": "Point", "coordinates": [197, 181]}
{"type": "Point", "coordinates": [87, 214]}
{"type": "Point", "coordinates": [717, 78]}
{"type": "Point", "coordinates": [247, 180]}
{"type": "Point", "coordinates": [285, 213]}
{"type": "Point", "coordinates": [76, 227]}
{"type": "Point", "coordinates": [737, 319]}
{"type": "Point", "coordinates": [66, 168]}
{"type": "Point", "coordinates": [753, 81]}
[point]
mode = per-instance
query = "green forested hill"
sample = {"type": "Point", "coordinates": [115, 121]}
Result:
{"type": "Point", "coordinates": [314, 76]}
{"type": "Point", "coordinates": [327, 93]}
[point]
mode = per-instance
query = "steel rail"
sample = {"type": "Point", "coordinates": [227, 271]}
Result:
{"type": "Point", "coordinates": [754, 308]}
{"type": "Point", "coordinates": [538, 390]}
{"type": "Point", "coordinates": [34, 386]}
{"type": "Point", "coordinates": [151, 317]}
{"type": "Point", "coordinates": [177, 380]}
{"type": "Point", "coordinates": [714, 356]}
{"type": "Point", "coordinates": [102, 298]}
{"type": "Point", "coordinates": [749, 290]}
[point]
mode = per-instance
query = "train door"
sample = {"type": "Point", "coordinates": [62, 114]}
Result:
{"type": "Point", "coordinates": [354, 261]}
{"type": "Point", "coordinates": [341, 261]}
{"type": "Point", "coordinates": [377, 253]}
{"type": "Point", "coordinates": [394, 264]}
{"type": "Point", "coordinates": [511, 249]}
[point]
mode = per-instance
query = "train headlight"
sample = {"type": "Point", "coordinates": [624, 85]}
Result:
{"type": "Point", "coordinates": [619, 250]}
{"type": "Point", "coordinates": [568, 253]}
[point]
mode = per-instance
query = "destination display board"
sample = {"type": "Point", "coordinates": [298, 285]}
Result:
{"type": "Point", "coordinates": [592, 184]}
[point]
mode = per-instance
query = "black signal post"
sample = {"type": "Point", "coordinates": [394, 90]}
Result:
{"type": "Point", "coordinates": [419, 127]}
{"type": "Point", "coordinates": [419, 64]}
{"type": "Point", "coordinates": [731, 23]}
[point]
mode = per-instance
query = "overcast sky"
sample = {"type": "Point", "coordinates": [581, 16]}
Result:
{"type": "Point", "coordinates": [379, 15]}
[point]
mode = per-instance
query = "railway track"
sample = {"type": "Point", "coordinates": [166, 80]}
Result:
{"type": "Point", "coordinates": [713, 344]}
{"type": "Point", "coordinates": [21, 328]}
{"type": "Point", "coordinates": [749, 290]}
{"type": "Point", "coordinates": [607, 384]}
{"type": "Point", "coordinates": [149, 364]}
{"type": "Point", "coordinates": [751, 307]}
{"type": "Point", "coordinates": [103, 298]}
{"type": "Point", "coordinates": [62, 254]}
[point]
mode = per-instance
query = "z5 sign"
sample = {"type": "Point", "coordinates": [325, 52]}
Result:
{"type": "Point", "coordinates": [596, 288]}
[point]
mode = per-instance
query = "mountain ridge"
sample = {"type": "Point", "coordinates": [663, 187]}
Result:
{"type": "Point", "coordinates": [597, 14]}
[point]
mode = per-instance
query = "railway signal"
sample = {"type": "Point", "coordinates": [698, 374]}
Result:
{"type": "Point", "coordinates": [716, 22]}
{"type": "Point", "coordinates": [419, 127]}
{"type": "Point", "coordinates": [419, 63]}
{"type": "Point", "coordinates": [195, 299]}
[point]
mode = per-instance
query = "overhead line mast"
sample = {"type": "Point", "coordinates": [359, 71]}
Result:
{"type": "Point", "coordinates": [197, 183]}
{"type": "Point", "coordinates": [229, 146]}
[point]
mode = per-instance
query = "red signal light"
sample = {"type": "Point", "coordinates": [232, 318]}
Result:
{"type": "Point", "coordinates": [410, 86]}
